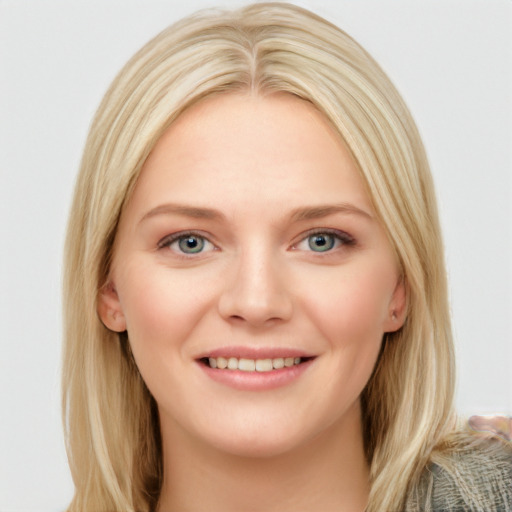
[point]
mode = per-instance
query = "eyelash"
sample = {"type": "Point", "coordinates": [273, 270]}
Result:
{"type": "Point", "coordinates": [341, 237]}
{"type": "Point", "coordinates": [183, 235]}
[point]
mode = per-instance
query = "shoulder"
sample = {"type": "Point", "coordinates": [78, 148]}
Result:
{"type": "Point", "coordinates": [470, 473]}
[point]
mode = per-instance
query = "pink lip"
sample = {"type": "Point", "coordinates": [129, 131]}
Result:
{"type": "Point", "coordinates": [256, 381]}
{"type": "Point", "coordinates": [255, 352]}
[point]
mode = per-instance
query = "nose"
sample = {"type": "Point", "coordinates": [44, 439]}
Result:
{"type": "Point", "coordinates": [255, 292]}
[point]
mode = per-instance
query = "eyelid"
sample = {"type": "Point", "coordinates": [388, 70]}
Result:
{"type": "Point", "coordinates": [345, 238]}
{"type": "Point", "coordinates": [168, 240]}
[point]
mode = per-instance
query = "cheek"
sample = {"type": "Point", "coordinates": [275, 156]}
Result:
{"type": "Point", "coordinates": [350, 307]}
{"type": "Point", "coordinates": [161, 307]}
{"type": "Point", "coordinates": [350, 316]}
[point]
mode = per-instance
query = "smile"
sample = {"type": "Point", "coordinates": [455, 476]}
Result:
{"type": "Point", "coordinates": [249, 369]}
{"type": "Point", "coordinates": [252, 365]}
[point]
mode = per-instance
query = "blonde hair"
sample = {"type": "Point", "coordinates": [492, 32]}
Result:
{"type": "Point", "coordinates": [110, 418]}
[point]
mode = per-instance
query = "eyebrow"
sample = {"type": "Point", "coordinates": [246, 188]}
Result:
{"type": "Point", "coordinates": [183, 210]}
{"type": "Point", "coordinates": [317, 212]}
{"type": "Point", "coordinates": [297, 215]}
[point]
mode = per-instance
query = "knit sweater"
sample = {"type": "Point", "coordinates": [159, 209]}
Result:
{"type": "Point", "coordinates": [473, 473]}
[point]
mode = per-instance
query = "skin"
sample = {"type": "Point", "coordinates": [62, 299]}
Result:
{"type": "Point", "coordinates": [254, 162]}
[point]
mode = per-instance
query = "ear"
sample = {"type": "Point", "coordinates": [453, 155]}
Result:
{"type": "Point", "coordinates": [109, 308]}
{"type": "Point", "coordinates": [397, 310]}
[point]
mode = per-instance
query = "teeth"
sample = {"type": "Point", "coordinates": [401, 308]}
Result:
{"type": "Point", "coordinates": [264, 365]}
{"type": "Point", "coordinates": [278, 363]}
{"type": "Point", "coordinates": [251, 365]}
{"type": "Point", "coordinates": [247, 365]}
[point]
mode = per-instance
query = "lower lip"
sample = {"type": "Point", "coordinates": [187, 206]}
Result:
{"type": "Point", "coordinates": [256, 381]}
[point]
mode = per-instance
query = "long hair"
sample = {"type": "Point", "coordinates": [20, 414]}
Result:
{"type": "Point", "coordinates": [110, 418]}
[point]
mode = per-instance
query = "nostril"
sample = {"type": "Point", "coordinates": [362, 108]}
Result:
{"type": "Point", "coordinates": [253, 297]}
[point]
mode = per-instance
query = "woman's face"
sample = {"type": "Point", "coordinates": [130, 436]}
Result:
{"type": "Point", "coordinates": [250, 241]}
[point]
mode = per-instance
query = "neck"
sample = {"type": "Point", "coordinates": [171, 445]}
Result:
{"type": "Point", "coordinates": [327, 473]}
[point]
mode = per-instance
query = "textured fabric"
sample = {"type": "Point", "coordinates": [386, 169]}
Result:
{"type": "Point", "coordinates": [472, 475]}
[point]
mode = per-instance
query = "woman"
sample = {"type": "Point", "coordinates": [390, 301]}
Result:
{"type": "Point", "coordinates": [255, 288]}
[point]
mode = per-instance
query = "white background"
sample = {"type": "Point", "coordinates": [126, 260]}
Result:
{"type": "Point", "coordinates": [450, 59]}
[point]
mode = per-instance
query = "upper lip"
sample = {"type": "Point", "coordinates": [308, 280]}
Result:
{"type": "Point", "coordinates": [247, 352]}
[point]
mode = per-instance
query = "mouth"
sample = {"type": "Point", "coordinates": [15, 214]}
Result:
{"type": "Point", "coordinates": [246, 368]}
{"type": "Point", "coordinates": [253, 365]}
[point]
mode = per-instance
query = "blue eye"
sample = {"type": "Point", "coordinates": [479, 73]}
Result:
{"type": "Point", "coordinates": [191, 244]}
{"type": "Point", "coordinates": [325, 241]}
{"type": "Point", "coordinates": [321, 242]}
{"type": "Point", "coordinates": [186, 243]}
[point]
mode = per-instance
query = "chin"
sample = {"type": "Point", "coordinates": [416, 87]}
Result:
{"type": "Point", "coordinates": [274, 437]}
{"type": "Point", "coordinates": [256, 446]}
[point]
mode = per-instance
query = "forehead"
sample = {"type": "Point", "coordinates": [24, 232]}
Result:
{"type": "Point", "coordinates": [274, 148]}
